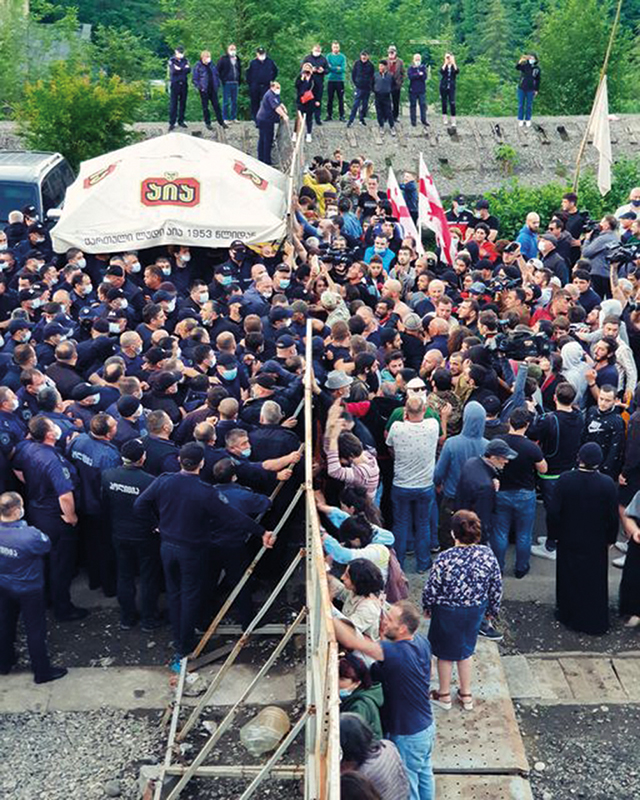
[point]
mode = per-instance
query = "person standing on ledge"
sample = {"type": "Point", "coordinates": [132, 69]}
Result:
{"type": "Point", "coordinates": [395, 67]}
{"type": "Point", "coordinates": [179, 69]}
{"type": "Point", "coordinates": [271, 111]}
{"type": "Point", "coordinates": [260, 75]}
{"type": "Point", "coordinates": [320, 67]}
{"type": "Point", "coordinates": [528, 87]}
{"type": "Point", "coordinates": [337, 64]}
{"type": "Point", "coordinates": [205, 79]}
{"type": "Point", "coordinates": [229, 69]}
{"type": "Point", "coordinates": [417, 74]}
{"type": "Point", "coordinates": [448, 74]}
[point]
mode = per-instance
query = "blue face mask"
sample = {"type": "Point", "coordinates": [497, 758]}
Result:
{"type": "Point", "coordinates": [284, 283]}
{"type": "Point", "coordinates": [246, 452]}
{"type": "Point", "coordinates": [344, 693]}
{"type": "Point", "coordinates": [230, 374]}
{"type": "Point", "coordinates": [226, 280]}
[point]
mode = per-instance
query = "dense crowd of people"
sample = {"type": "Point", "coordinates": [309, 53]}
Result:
{"type": "Point", "coordinates": [328, 75]}
{"type": "Point", "coordinates": [148, 410]}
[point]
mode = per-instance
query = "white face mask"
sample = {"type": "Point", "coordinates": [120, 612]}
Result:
{"type": "Point", "coordinates": [136, 266]}
{"type": "Point", "coordinates": [186, 257]}
{"type": "Point", "coordinates": [171, 305]}
{"type": "Point", "coordinates": [261, 58]}
{"type": "Point", "coordinates": [203, 297]}
{"type": "Point", "coordinates": [81, 263]}
{"type": "Point", "coordinates": [124, 304]}
{"type": "Point", "coordinates": [26, 336]}
{"type": "Point", "coordinates": [232, 53]}
{"type": "Point", "coordinates": [57, 432]}
{"type": "Point", "coordinates": [166, 270]}
{"type": "Point", "coordinates": [114, 327]}
{"type": "Point", "coordinates": [3, 246]}
{"type": "Point", "coordinates": [93, 399]}
{"type": "Point", "coordinates": [14, 404]}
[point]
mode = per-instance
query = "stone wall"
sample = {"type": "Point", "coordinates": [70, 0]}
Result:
{"type": "Point", "coordinates": [464, 160]}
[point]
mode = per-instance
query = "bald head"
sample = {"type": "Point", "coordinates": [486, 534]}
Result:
{"type": "Point", "coordinates": [533, 221]}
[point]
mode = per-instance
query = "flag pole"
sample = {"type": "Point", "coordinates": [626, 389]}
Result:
{"type": "Point", "coordinates": [603, 72]}
{"type": "Point", "coordinates": [419, 214]}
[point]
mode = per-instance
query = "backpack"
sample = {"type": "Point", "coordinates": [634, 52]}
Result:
{"type": "Point", "coordinates": [397, 587]}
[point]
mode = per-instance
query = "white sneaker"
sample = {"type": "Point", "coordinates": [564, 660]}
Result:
{"type": "Point", "coordinates": [521, 123]}
{"type": "Point", "coordinates": [453, 123]}
{"type": "Point", "coordinates": [393, 131]}
{"type": "Point", "coordinates": [541, 551]}
{"type": "Point", "coordinates": [445, 121]}
{"type": "Point", "coordinates": [308, 138]}
{"type": "Point", "coordinates": [528, 123]}
{"type": "Point", "coordinates": [622, 546]}
{"type": "Point", "coordinates": [619, 562]}
{"type": "Point", "coordinates": [632, 622]}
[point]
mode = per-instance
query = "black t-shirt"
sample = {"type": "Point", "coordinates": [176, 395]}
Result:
{"type": "Point", "coordinates": [491, 221]}
{"type": "Point", "coordinates": [574, 224]}
{"type": "Point", "coordinates": [520, 473]}
{"type": "Point", "coordinates": [367, 204]}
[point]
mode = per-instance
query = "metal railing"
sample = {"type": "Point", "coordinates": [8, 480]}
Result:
{"type": "Point", "coordinates": [320, 717]}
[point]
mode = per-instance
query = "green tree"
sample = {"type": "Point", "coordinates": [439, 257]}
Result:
{"type": "Point", "coordinates": [22, 36]}
{"type": "Point", "coordinates": [76, 115]}
{"type": "Point", "coordinates": [569, 80]}
{"type": "Point", "coordinates": [495, 38]}
{"type": "Point", "coordinates": [118, 51]}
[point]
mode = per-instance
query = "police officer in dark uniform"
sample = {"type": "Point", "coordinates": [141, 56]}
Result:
{"type": "Point", "coordinates": [192, 516]}
{"type": "Point", "coordinates": [132, 423]}
{"type": "Point", "coordinates": [51, 508]}
{"type": "Point", "coordinates": [178, 71]}
{"type": "Point", "coordinates": [22, 552]}
{"type": "Point", "coordinates": [162, 453]}
{"type": "Point", "coordinates": [136, 543]}
{"type": "Point", "coordinates": [91, 453]}
{"type": "Point", "coordinates": [261, 72]}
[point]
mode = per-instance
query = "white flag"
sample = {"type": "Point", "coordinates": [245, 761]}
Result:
{"type": "Point", "coordinates": [599, 129]}
{"type": "Point", "coordinates": [401, 210]}
{"type": "Point", "coordinates": [431, 213]}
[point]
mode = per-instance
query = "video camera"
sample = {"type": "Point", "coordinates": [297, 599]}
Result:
{"type": "Point", "coordinates": [519, 345]}
{"type": "Point", "coordinates": [623, 254]}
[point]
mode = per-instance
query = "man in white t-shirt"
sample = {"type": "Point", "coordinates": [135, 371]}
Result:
{"type": "Point", "coordinates": [413, 442]}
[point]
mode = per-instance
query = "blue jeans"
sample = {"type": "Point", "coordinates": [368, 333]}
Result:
{"type": "Point", "coordinates": [525, 104]}
{"type": "Point", "coordinates": [415, 752]}
{"type": "Point", "coordinates": [360, 101]}
{"type": "Point", "coordinates": [230, 100]}
{"type": "Point", "coordinates": [412, 513]}
{"type": "Point", "coordinates": [514, 508]}
{"type": "Point", "coordinates": [547, 488]}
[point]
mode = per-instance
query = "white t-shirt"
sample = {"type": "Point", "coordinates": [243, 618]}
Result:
{"type": "Point", "coordinates": [414, 447]}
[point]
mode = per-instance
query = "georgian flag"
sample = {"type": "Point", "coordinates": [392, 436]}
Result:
{"type": "Point", "coordinates": [431, 213]}
{"type": "Point", "coordinates": [401, 211]}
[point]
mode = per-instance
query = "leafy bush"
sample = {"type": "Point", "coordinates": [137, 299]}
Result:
{"type": "Point", "coordinates": [76, 115]}
{"type": "Point", "coordinates": [513, 202]}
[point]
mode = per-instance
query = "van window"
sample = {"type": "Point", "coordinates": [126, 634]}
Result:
{"type": "Point", "coordinates": [54, 187]}
{"type": "Point", "coordinates": [14, 196]}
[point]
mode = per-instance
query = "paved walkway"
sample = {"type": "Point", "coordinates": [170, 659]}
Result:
{"type": "Point", "coordinates": [574, 678]}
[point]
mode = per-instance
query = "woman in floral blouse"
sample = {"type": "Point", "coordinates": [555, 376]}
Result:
{"type": "Point", "coordinates": [464, 586]}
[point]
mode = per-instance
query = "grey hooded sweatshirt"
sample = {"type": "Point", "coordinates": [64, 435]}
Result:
{"type": "Point", "coordinates": [458, 449]}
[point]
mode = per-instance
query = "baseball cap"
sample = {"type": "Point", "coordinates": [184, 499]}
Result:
{"type": "Point", "coordinates": [284, 341]}
{"type": "Point", "coordinates": [133, 450]}
{"type": "Point", "coordinates": [491, 405]}
{"type": "Point", "coordinates": [260, 51]}
{"type": "Point", "coordinates": [237, 244]}
{"type": "Point", "coordinates": [115, 269]}
{"type": "Point", "coordinates": [191, 454]}
{"type": "Point", "coordinates": [162, 294]}
{"type": "Point", "coordinates": [19, 325]}
{"type": "Point", "coordinates": [165, 379]}
{"type": "Point", "coordinates": [477, 288]}
{"type": "Point", "coordinates": [498, 447]}
{"type": "Point", "coordinates": [54, 329]}
{"type": "Point", "coordinates": [226, 360]}
{"type": "Point", "coordinates": [128, 405]}
{"type": "Point", "coordinates": [416, 385]}
{"type": "Point", "coordinates": [629, 215]}
{"type": "Point", "coordinates": [278, 313]}
{"type": "Point", "coordinates": [536, 263]}
{"type": "Point", "coordinates": [266, 381]}
{"type": "Point", "coordinates": [549, 237]}
{"type": "Point", "coordinates": [482, 203]}
{"type": "Point", "coordinates": [223, 269]}
{"type": "Point", "coordinates": [300, 307]}
{"type": "Point", "coordinates": [30, 211]}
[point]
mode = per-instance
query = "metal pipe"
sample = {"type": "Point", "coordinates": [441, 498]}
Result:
{"type": "Point", "coordinates": [228, 720]}
{"type": "Point", "coordinates": [240, 585]}
{"type": "Point", "coordinates": [174, 726]}
{"type": "Point", "coordinates": [280, 772]}
{"type": "Point", "coordinates": [238, 647]}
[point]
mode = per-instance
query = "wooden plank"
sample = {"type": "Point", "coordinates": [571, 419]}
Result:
{"type": "Point", "coordinates": [550, 679]}
{"type": "Point", "coordinates": [591, 678]}
{"type": "Point", "coordinates": [628, 672]}
{"type": "Point", "coordinates": [482, 787]}
{"type": "Point", "coordinates": [487, 739]}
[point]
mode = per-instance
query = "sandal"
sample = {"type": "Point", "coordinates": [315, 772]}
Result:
{"type": "Point", "coordinates": [437, 700]}
{"type": "Point", "coordinates": [465, 700]}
